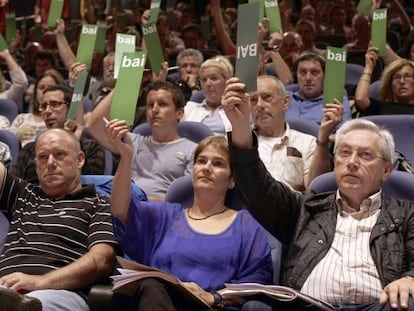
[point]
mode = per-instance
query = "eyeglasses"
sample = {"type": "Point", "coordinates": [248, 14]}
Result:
{"type": "Point", "coordinates": [363, 156]}
{"type": "Point", "coordinates": [53, 104]}
{"type": "Point", "coordinates": [397, 78]}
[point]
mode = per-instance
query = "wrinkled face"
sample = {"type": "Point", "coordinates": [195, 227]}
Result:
{"type": "Point", "coordinates": [108, 71]}
{"type": "Point", "coordinates": [359, 167]}
{"type": "Point", "coordinates": [267, 105]}
{"type": "Point", "coordinates": [403, 85]}
{"type": "Point", "coordinates": [58, 163]}
{"type": "Point", "coordinates": [188, 65]}
{"type": "Point", "coordinates": [310, 78]}
{"type": "Point", "coordinates": [55, 109]}
{"type": "Point", "coordinates": [212, 84]}
{"type": "Point", "coordinates": [212, 171]}
{"type": "Point", "coordinates": [161, 110]}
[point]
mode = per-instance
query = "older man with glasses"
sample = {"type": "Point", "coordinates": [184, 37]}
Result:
{"type": "Point", "coordinates": [54, 109]}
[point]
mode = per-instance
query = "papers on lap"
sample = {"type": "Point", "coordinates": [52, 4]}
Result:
{"type": "Point", "coordinates": [280, 293]}
{"type": "Point", "coordinates": [132, 272]}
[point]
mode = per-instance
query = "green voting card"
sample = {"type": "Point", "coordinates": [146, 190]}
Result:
{"type": "Point", "coordinates": [364, 7]}
{"type": "Point", "coordinates": [86, 45]}
{"type": "Point", "coordinates": [3, 43]}
{"type": "Point", "coordinates": [100, 37]}
{"type": "Point", "coordinates": [124, 43]}
{"type": "Point", "coordinates": [334, 82]}
{"type": "Point", "coordinates": [261, 9]}
{"type": "Point", "coordinates": [379, 30]}
{"type": "Point", "coordinates": [152, 41]}
{"type": "Point", "coordinates": [273, 13]}
{"type": "Point", "coordinates": [10, 26]}
{"type": "Point", "coordinates": [55, 13]}
{"type": "Point", "coordinates": [127, 87]}
{"type": "Point", "coordinates": [77, 95]}
{"type": "Point", "coordinates": [247, 38]}
{"type": "Point", "coordinates": [155, 11]}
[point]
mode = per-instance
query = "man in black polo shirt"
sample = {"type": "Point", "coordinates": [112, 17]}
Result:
{"type": "Point", "coordinates": [60, 239]}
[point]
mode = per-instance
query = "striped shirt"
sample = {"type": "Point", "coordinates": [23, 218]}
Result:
{"type": "Point", "coordinates": [347, 274]}
{"type": "Point", "coordinates": [46, 233]}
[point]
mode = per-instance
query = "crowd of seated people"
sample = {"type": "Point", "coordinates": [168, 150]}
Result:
{"type": "Point", "coordinates": [38, 76]}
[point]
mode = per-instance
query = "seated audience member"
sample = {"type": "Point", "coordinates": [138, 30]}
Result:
{"type": "Point", "coordinates": [43, 60]}
{"type": "Point", "coordinates": [308, 101]}
{"type": "Point", "coordinates": [286, 153]}
{"type": "Point", "coordinates": [54, 108]}
{"type": "Point", "coordinates": [54, 259]}
{"type": "Point", "coordinates": [103, 87]}
{"type": "Point", "coordinates": [214, 244]}
{"type": "Point", "coordinates": [345, 230]}
{"type": "Point", "coordinates": [18, 79]}
{"type": "Point", "coordinates": [213, 75]}
{"type": "Point", "coordinates": [306, 29]}
{"type": "Point", "coordinates": [189, 62]}
{"type": "Point", "coordinates": [290, 46]}
{"type": "Point", "coordinates": [396, 91]}
{"type": "Point", "coordinates": [337, 23]}
{"type": "Point", "coordinates": [28, 125]}
{"type": "Point", "coordinates": [5, 155]}
{"type": "Point", "coordinates": [361, 29]}
{"type": "Point", "coordinates": [161, 157]}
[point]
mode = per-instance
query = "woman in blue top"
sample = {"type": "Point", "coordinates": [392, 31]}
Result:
{"type": "Point", "coordinates": [205, 245]}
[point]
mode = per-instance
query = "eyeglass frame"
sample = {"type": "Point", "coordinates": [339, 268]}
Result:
{"type": "Point", "coordinates": [363, 156]}
{"type": "Point", "coordinates": [406, 78]}
{"type": "Point", "coordinates": [53, 104]}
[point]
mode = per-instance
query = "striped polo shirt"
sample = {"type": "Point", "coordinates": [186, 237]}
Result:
{"type": "Point", "coordinates": [47, 233]}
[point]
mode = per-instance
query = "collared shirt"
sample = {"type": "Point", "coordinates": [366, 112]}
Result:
{"type": "Point", "coordinates": [200, 112]}
{"type": "Point", "coordinates": [312, 109]}
{"type": "Point", "coordinates": [347, 274]}
{"type": "Point", "coordinates": [288, 158]}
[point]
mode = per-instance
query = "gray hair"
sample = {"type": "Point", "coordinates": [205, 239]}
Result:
{"type": "Point", "coordinates": [220, 62]}
{"type": "Point", "coordinates": [190, 53]}
{"type": "Point", "coordinates": [387, 144]}
{"type": "Point", "coordinates": [278, 83]}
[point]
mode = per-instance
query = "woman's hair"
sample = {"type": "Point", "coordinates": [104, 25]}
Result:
{"type": "Point", "coordinates": [220, 62]}
{"type": "Point", "coordinates": [386, 93]}
{"type": "Point", "coordinates": [55, 75]}
{"type": "Point", "coordinates": [387, 144]}
{"type": "Point", "coordinates": [218, 142]}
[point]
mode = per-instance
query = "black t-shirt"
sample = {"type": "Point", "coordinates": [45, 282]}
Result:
{"type": "Point", "coordinates": [378, 107]}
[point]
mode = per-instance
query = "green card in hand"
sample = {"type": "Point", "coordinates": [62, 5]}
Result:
{"type": "Point", "coordinates": [152, 41]}
{"type": "Point", "coordinates": [273, 13]}
{"type": "Point", "coordinates": [86, 44]}
{"type": "Point", "coordinates": [334, 82]}
{"type": "Point", "coordinates": [127, 87]}
{"type": "Point", "coordinates": [247, 38]}
{"type": "Point", "coordinates": [261, 8]}
{"type": "Point", "coordinates": [124, 43]}
{"type": "Point", "coordinates": [10, 26]}
{"type": "Point", "coordinates": [3, 43]}
{"type": "Point", "coordinates": [379, 31]}
{"type": "Point", "coordinates": [55, 13]}
{"type": "Point", "coordinates": [77, 95]}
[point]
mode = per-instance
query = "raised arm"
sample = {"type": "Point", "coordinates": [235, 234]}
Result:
{"type": "Point", "coordinates": [362, 100]}
{"type": "Point", "coordinates": [321, 163]}
{"type": "Point", "coordinates": [17, 75]}
{"type": "Point", "coordinates": [65, 51]}
{"type": "Point", "coordinates": [121, 187]}
{"type": "Point", "coordinates": [95, 124]}
{"type": "Point", "coordinates": [223, 37]}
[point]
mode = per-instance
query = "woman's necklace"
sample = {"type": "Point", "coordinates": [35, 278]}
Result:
{"type": "Point", "coordinates": [202, 218]}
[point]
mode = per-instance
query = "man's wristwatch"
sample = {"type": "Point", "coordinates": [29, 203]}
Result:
{"type": "Point", "coordinates": [218, 300]}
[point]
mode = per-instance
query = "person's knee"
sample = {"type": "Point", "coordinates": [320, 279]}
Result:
{"type": "Point", "coordinates": [255, 305]}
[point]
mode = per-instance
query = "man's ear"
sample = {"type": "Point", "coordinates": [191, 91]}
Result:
{"type": "Point", "coordinates": [80, 159]}
{"type": "Point", "coordinates": [179, 113]}
{"type": "Point", "coordinates": [286, 102]}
